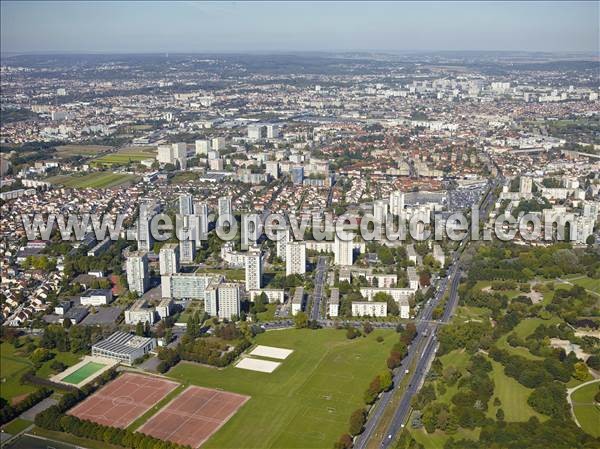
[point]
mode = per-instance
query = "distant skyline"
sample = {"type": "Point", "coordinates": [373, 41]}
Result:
{"type": "Point", "coordinates": [188, 27]}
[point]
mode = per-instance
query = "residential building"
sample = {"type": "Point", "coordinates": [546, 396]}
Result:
{"type": "Point", "coordinates": [334, 303]}
{"type": "Point", "coordinates": [343, 251]}
{"type": "Point", "coordinates": [169, 259]}
{"type": "Point", "coordinates": [295, 258]}
{"type": "Point", "coordinates": [298, 300]}
{"type": "Point", "coordinates": [368, 308]}
{"type": "Point", "coordinates": [96, 297]}
{"type": "Point", "coordinates": [136, 267]}
{"type": "Point", "coordinates": [139, 312]}
{"type": "Point", "coordinates": [254, 269]}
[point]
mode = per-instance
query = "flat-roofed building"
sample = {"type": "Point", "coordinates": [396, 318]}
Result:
{"type": "Point", "coordinates": [295, 258]}
{"type": "Point", "coordinates": [274, 295]}
{"type": "Point", "coordinates": [96, 297]}
{"type": "Point", "coordinates": [413, 278]}
{"type": "Point", "coordinates": [185, 285]}
{"type": "Point", "coordinates": [298, 300]}
{"type": "Point", "coordinates": [163, 309]}
{"type": "Point", "coordinates": [334, 303]}
{"type": "Point", "coordinates": [169, 259]}
{"type": "Point", "coordinates": [139, 312]}
{"type": "Point", "coordinates": [123, 347]}
{"type": "Point", "coordinates": [369, 308]}
{"type": "Point", "coordinates": [136, 266]}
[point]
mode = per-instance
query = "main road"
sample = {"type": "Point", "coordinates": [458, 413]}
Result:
{"type": "Point", "coordinates": [426, 339]}
{"type": "Point", "coordinates": [320, 273]}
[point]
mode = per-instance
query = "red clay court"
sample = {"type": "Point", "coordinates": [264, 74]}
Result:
{"type": "Point", "coordinates": [193, 416]}
{"type": "Point", "coordinates": [123, 400]}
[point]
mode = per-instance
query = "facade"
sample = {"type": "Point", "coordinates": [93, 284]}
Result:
{"type": "Point", "coordinates": [139, 312]}
{"type": "Point", "coordinates": [253, 270]}
{"type": "Point", "coordinates": [334, 303]}
{"type": "Point", "coordinates": [185, 285]}
{"type": "Point", "coordinates": [411, 254]}
{"type": "Point", "coordinates": [525, 184]}
{"type": "Point", "coordinates": [225, 206]}
{"type": "Point", "coordinates": [97, 297]}
{"type": "Point", "coordinates": [186, 204]}
{"type": "Point", "coordinates": [273, 294]}
{"type": "Point", "coordinates": [136, 266]}
{"type": "Point", "coordinates": [163, 309]}
{"type": "Point", "coordinates": [123, 347]}
{"type": "Point", "coordinates": [229, 294]}
{"type": "Point", "coordinates": [396, 203]}
{"type": "Point", "coordinates": [295, 258]}
{"type": "Point", "coordinates": [298, 300]}
{"type": "Point", "coordinates": [368, 308]}
{"type": "Point", "coordinates": [413, 278]}
{"type": "Point", "coordinates": [438, 254]}
{"type": "Point", "coordinates": [380, 209]}
{"type": "Point", "coordinates": [281, 244]}
{"type": "Point", "coordinates": [169, 259]}
{"type": "Point", "coordinates": [343, 251]}
{"type": "Point", "coordinates": [202, 147]}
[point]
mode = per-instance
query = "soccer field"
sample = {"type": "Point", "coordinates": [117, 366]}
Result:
{"type": "Point", "coordinates": [99, 180]}
{"type": "Point", "coordinates": [83, 373]}
{"type": "Point", "coordinates": [307, 401]}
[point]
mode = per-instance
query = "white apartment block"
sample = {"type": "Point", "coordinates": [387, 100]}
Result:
{"type": "Point", "coordinates": [396, 203]}
{"type": "Point", "coordinates": [343, 251]}
{"type": "Point", "coordinates": [139, 313]}
{"type": "Point", "coordinates": [274, 295]}
{"type": "Point", "coordinates": [136, 267]}
{"type": "Point", "coordinates": [334, 303]}
{"type": "Point", "coordinates": [298, 300]}
{"type": "Point", "coordinates": [169, 259]}
{"type": "Point", "coordinates": [367, 308]}
{"type": "Point", "coordinates": [254, 270]}
{"type": "Point", "coordinates": [295, 258]}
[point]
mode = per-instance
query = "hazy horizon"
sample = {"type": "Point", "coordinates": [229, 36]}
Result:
{"type": "Point", "coordinates": [271, 27]}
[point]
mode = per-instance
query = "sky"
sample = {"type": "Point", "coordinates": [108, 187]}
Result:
{"type": "Point", "coordinates": [185, 26]}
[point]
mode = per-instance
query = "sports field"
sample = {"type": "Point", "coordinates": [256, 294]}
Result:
{"type": "Point", "coordinates": [83, 373]}
{"type": "Point", "coordinates": [193, 416]}
{"type": "Point", "coordinates": [126, 156]}
{"type": "Point", "coordinates": [80, 150]}
{"type": "Point", "coordinates": [586, 409]}
{"type": "Point", "coordinates": [121, 401]}
{"type": "Point", "coordinates": [98, 180]}
{"type": "Point", "coordinates": [307, 401]}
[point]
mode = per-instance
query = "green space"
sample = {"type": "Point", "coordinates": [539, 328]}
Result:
{"type": "Point", "coordinates": [71, 440]}
{"type": "Point", "coordinates": [586, 282]}
{"type": "Point", "coordinates": [523, 330]}
{"type": "Point", "coordinates": [437, 439]}
{"type": "Point", "coordinates": [513, 397]}
{"type": "Point", "coordinates": [307, 401]}
{"type": "Point", "coordinates": [269, 314]}
{"type": "Point", "coordinates": [82, 373]}
{"type": "Point", "coordinates": [66, 358]}
{"type": "Point", "coordinates": [586, 409]}
{"type": "Point", "coordinates": [12, 366]}
{"type": "Point", "coordinates": [16, 426]}
{"type": "Point", "coordinates": [126, 156]}
{"type": "Point", "coordinates": [191, 309]}
{"type": "Point", "coordinates": [183, 177]}
{"type": "Point", "coordinates": [99, 180]}
{"type": "Point", "coordinates": [81, 150]}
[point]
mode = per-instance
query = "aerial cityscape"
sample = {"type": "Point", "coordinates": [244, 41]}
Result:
{"type": "Point", "coordinates": [300, 225]}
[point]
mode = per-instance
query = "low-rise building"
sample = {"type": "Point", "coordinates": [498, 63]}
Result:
{"type": "Point", "coordinates": [298, 300]}
{"type": "Point", "coordinates": [334, 303]}
{"type": "Point", "coordinates": [369, 308]}
{"type": "Point", "coordinates": [139, 313]}
{"type": "Point", "coordinates": [124, 347]}
{"type": "Point", "coordinates": [96, 297]}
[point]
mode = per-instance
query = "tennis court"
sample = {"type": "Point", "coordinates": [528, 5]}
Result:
{"type": "Point", "coordinates": [83, 373]}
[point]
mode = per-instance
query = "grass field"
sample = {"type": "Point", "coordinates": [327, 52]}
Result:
{"type": "Point", "coordinates": [81, 150]}
{"type": "Point", "coordinates": [513, 397]}
{"type": "Point", "coordinates": [83, 373]}
{"type": "Point", "coordinates": [307, 401]}
{"type": "Point", "coordinates": [16, 426]}
{"type": "Point", "coordinates": [98, 180]}
{"type": "Point", "coordinates": [524, 329]}
{"type": "Point", "coordinates": [586, 282]}
{"type": "Point", "coordinates": [586, 410]}
{"type": "Point", "coordinates": [67, 358]}
{"type": "Point", "coordinates": [437, 439]}
{"type": "Point", "coordinates": [126, 156]}
{"type": "Point", "coordinates": [12, 366]}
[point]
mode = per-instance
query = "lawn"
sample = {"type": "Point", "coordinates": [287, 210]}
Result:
{"type": "Point", "coordinates": [83, 373]}
{"type": "Point", "coordinates": [16, 426]}
{"type": "Point", "coordinates": [586, 282]}
{"type": "Point", "coordinates": [81, 150]}
{"type": "Point", "coordinates": [11, 369]}
{"type": "Point", "coordinates": [586, 410]}
{"type": "Point", "coordinates": [307, 401]}
{"type": "Point", "coordinates": [513, 397]}
{"type": "Point", "coordinates": [437, 439]}
{"type": "Point", "coordinates": [99, 180]}
{"type": "Point", "coordinates": [67, 358]}
{"type": "Point", "coordinates": [126, 156]}
{"type": "Point", "coordinates": [524, 329]}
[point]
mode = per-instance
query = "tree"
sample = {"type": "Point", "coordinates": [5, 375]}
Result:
{"type": "Point", "coordinates": [345, 442]}
{"type": "Point", "coordinates": [301, 320]}
{"type": "Point", "coordinates": [581, 371]}
{"type": "Point", "coordinates": [387, 381]}
{"type": "Point", "coordinates": [67, 323]}
{"type": "Point", "coordinates": [500, 414]}
{"type": "Point", "coordinates": [357, 421]}
{"type": "Point", "coordinates": [139, 329]}
{"type": "Point", "coordinates": [367, 328]}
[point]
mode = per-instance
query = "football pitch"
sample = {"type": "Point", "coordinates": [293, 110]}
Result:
{"type": "Point", "coordinates": [99, 180]}
{"type": "Point", "coordinates": [308, 400]}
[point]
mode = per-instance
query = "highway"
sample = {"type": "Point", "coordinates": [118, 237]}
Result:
{"type": "Point", "coordinates": [320, 274]}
